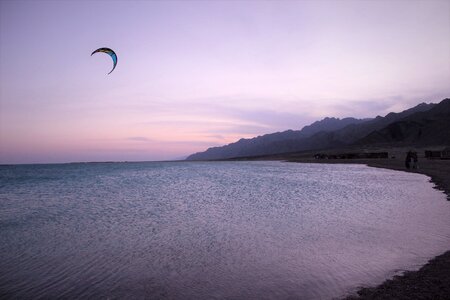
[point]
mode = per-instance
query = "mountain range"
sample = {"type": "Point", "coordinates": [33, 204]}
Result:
{"type": "Point", "coordinates": [422, 125]}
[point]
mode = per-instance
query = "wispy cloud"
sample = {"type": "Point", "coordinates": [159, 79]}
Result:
{"type": "Point", "coordinates": [139, 139]}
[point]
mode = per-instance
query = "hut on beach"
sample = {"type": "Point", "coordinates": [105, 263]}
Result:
{"type": "Point", "coordinates": [438, 154]}
{"type": "Point", "coordinates": [445, 153]}
{"type": "Point", "coordinates": [360, 155]}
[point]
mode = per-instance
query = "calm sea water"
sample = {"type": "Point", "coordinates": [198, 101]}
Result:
{"type": "Point", "coordinates": [218, 230]}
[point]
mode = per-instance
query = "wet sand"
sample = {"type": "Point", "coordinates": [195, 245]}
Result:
{"type": "Point", "coordinates": [432, 281]}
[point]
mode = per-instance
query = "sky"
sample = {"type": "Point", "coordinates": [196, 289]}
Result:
{"type": "Point", "coordinates": [199, 74]}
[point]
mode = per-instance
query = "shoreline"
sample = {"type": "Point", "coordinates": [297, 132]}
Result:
{"type": "Point", "coordinates": [432, 280]}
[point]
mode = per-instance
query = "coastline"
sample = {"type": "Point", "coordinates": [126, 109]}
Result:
{"type": "Point", "coordinates": [431, 281]}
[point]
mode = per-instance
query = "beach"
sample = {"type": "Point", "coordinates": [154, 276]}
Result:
{"type": "Point", "coordinates": [432, 281]}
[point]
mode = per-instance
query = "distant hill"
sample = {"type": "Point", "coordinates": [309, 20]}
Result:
{"type": "Point", "coordinates": [352, 133]}
{"type": "Point", "coordinates": [329, 124]}
{"type": "Point", "coordinates": [273, 142]}
{"type": "Point", "coordinates": [431, 127]}
{"type": "Point", "coordinates": [400, 128]}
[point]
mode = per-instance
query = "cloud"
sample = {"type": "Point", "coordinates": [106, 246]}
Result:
{"type": "Point", "coordinates": [361, 108]}
{"type": "Point", "coordinates": [373, 107]}
{"type": "Point", "coordinates": [139, 139]}
{"type": "Point", "coordinates": [229, 111]}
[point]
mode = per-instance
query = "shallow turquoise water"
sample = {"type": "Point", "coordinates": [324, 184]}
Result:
{"type": "Point", "coordinates": [212, 230]}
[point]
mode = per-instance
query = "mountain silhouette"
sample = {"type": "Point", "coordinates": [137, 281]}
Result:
{"type": "Point", "coordinates": [274, 142]}
{"type": "Point", "coordinates": [421, 125]}
{"type": "Point", "coordinates": [431, 127]}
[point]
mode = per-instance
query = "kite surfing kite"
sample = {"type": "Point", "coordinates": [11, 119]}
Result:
{"type": "Point", "coordinates": [111, 53]}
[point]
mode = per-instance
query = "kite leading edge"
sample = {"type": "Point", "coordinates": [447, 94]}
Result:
{"type": "Point", "coordinates": [111, 53]}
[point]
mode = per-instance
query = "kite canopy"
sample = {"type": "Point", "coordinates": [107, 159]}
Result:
{"type": "Point", "coordinates": [111, 53]}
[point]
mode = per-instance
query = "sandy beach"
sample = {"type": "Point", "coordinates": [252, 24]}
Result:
{"type": "Point", "coordinates": [432, 281]}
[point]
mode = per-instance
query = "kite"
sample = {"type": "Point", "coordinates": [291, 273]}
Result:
{"type": "Point", "coordinates": [111, 53]}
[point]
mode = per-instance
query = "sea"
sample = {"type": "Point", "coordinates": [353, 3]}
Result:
{"type": "Point", "coordinates": [212, 230]}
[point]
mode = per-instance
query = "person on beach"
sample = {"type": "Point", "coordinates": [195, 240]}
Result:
{"type": "Point", "coordinates": [415, 160]}
{"type": "Point", "coordinates": [408, 160]}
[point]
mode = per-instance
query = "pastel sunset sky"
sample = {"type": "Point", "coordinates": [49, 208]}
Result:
{"type": "Point", "coordinates": [196, 74]}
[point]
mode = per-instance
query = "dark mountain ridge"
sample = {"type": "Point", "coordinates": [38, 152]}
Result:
{"type": "Point", "coordinates": [273, 142]}
{"type": "Point", "coordinates": [431, 127]}
{"type": "Point", "coordinates": [329, 124]}
{"type": "Point", "coordinates": [423, 124]}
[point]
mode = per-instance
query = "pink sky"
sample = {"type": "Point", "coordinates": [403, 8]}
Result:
{"type": "Point", "coordinates": [192, 75]}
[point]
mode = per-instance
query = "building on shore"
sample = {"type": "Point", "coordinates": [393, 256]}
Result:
{"type": "Point", "coordinates": [438, 154]}
{"type": "Point", "coordinates": [354, 155]}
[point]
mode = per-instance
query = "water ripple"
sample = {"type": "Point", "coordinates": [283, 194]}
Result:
{"type": "Point", "coordinates": [238, 230]}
